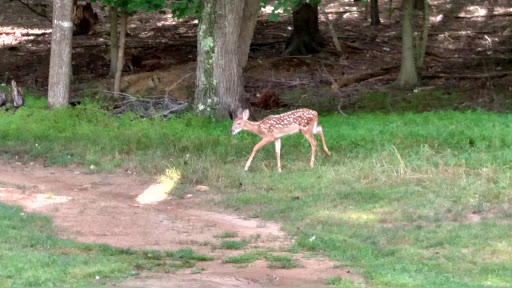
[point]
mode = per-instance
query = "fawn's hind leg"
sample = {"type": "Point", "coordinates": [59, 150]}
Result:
{"type": "Point", "coordinates": [320, 132]}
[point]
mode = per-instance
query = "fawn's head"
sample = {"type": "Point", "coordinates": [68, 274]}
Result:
{"type": "Point", "coordinates": [239, 122]}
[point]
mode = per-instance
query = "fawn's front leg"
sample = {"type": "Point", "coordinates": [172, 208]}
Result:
{"type": "Point", "coordinates": [278, 153]}
{"type": "Point", "coordinates": [257, 147]}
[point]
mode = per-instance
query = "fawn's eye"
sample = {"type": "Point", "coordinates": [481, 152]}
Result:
{"type": "Point", "coordinates": [237, 123]}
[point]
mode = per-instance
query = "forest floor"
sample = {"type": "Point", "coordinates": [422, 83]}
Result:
{"type": "Point", "coordinates": [466, 54]}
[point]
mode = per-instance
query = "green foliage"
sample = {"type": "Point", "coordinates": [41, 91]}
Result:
{"type": "Point", "coordinates": [286, 7]}
{"type": "Point", "coordinates": [132, 6]}
{"type": "Point", "coordinates": [189, 8]}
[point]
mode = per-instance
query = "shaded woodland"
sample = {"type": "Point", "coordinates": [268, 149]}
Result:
{"type": "Point", "coordinates": [467, 62]}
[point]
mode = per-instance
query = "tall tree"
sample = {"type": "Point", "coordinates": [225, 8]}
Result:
{"type": "Point", "coordinates": [421, 45]}
{"type": "Point", "coordinates": [114, 39]}
{"type": "Point", "coordinates": [120, 51]}
{"type": "Point", "coordinates": [408, 76]}
{"type": "Point", "coordinates": [305, 37]}
{"type": "Point", "coordinates": [413, 52]}
{"type": "Point", "coordinates": [126, 8]}
{"type": "Point", "coordinates": [60, 56]}
{"type": "Point", "coordinates": [374, 12]}
{"type": "Point", "coordinates": [224, 35]}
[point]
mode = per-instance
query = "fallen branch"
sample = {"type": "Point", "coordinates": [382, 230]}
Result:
{"type": "Point", "coordinates": [467, 76]}
{"type": "Point", "coordinates": [147, 107]}
{"type": "Point", "coordinates": [488, 15]}
{"type": "Point", "coordinates": [356, 78]}
{"type": "Point", "coordinates": [331, 29]}
{"type": "Point", "coordinates": [354, 46]}
{"type": "Point", "coordinates": [335, 86]}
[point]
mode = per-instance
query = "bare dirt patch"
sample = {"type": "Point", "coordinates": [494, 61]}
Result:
{"type": "Point", "coordinates": [102, 208]}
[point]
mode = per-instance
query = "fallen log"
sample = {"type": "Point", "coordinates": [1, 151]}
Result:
{"type": "Point", "coordinates": [356, 78]}
{"type": "Point", "coordinates": [468, 76]}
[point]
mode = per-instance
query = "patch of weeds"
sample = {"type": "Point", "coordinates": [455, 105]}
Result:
{"type": "Point", "coordinates": [62, 159]}
{"type": "Point", "coordinates": [282, 261]}
{"type": "Point", "coordinates": [7, 156]}
{"type": "Point", "coordinates": [226, 235]}
{"type": "Point", "coordinates": [339, 282]}
{"type": "Point", "coordinates": [181, 264]}
{"type": "Point", "coordinates": [233, 244]}
{"type": "Point", "coordinates": [198, 270]}
{"type": "Point", "coordinates": [152, 254]}
{"type": "Point", "coordinates": [189, 254]}
{"type": "Point", "coordinates": [245, 258]}
{"type": "Point", "coordinates": [254, 238]}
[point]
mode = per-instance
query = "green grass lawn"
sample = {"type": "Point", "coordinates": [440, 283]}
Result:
{"type": "Point", "coordinates": [407, 199]}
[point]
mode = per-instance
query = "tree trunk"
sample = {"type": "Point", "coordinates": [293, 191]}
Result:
{"type": "Point", "coordinates": [206, 98]}
{"type": "Point", "coordinates": [249, 18]}
{"type": "Point", "coordinates": [374, 12]}
{"type": "Point", "coordinates": [120, 58]}
{"type": "Point", "coordinates": [305, 37]}
{"type": "Point", "coordinates": [60, 57]}
{"type": "Point", "coordinates": [422, 45]}
{"type": "Point", "coordinates": [224, 37]}
{"type": "Point", "coordinates": [84, 18]}
{"type": "Point", "coordinates": [408, 76]}
{"type": "Point", "coordinates": [114, 40]}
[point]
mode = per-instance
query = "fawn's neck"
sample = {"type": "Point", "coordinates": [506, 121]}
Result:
{"type": "Point", "coordinates": [254, 127]}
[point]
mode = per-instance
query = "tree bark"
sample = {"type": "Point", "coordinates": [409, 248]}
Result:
{"type": "Point", "coordinates": [305, 37]}
{"type": "Point", "coordinates": [408, 76]}
{"type": "Point", "coordinates": [224, 37]}
{"type": "Point", "coordinates": [374, 12]}
{"type": "Point", "coordinates": [249, 18]}
{"type": "Point", "coordinates": [422, 45]}
{"type": "Point", "coordinates": [120, 58]}
{"type": "Point", "coordinates": [60, 56]}
{"type": "Point", "coordinates": [114, 40]}
{"type": "Point", "coordinates": [84, 18]}
{"type": "Point", "coordinates": [206, 98]}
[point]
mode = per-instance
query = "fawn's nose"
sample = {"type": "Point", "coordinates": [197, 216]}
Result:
{"type": "Point", "coordinates": [232, 131]}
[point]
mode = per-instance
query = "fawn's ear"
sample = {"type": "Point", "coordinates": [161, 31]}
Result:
{"type": "Point", "coordinates": [239, 113]}
{"type": "Point", "coordinates": [246, 114]}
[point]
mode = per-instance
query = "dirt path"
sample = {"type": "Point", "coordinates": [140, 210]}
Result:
{"type": "Point", "coordinates": [102, 208]}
